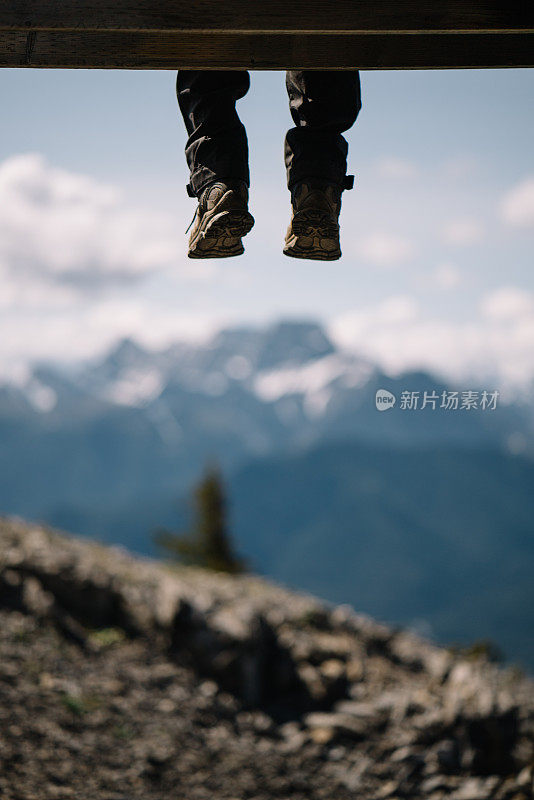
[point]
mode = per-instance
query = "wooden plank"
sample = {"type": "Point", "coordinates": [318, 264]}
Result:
{"type": "Point", "coordinates": [282, 51]}
{"type": "Point", "coordinates": [262, 16]}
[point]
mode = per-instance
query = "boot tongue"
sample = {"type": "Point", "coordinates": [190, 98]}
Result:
{"type": "Point", "coordinates": [213, 193]}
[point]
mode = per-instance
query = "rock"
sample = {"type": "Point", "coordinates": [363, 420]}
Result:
{"type": "Point", "coordinates": [243, 654]}
{"type": "Point", "coordinates": [207, 685]}
{"type": "Point", "coordinates": [434, 784]}
{"type": "Point", "coordinates": [476, 789]}
{"type": "Point", "coordinates": [448, 756]}
{"type": "Point", "coordinates": [388, 790]}
{"type": "Point", "coordinates": [11, 590]}
{"type": "Point", "coordinates": [322, 734]}
{"type": "Point", "coordinates": [492, 739]}
{"type": "Point", "coordinates": [525, 777]}
{"type": "Point", "coordinates": [406, 754]}
{"type": "Point", "coordinates": [293, 737]}
{"type": "Point", "coordinates": [341, 724]}
{"type": "Point", "coordinates": [362, 710]}
{"type": "Point", "coordinates": [333, 669]}
{"type": "Point", "coordinates": [354, 777]}
{"type": "Point", "coordinates": [36, 600]}
{"type": "Point", "coordinates": [355, 670]}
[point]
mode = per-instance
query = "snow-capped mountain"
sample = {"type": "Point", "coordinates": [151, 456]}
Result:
{"type": "Point", "coordinates": [138, 421]}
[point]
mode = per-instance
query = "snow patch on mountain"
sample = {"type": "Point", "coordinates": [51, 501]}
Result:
{"type": "Point", "coordinates": [135, 387]}
{"type": "Point", "coordinates": [42, 398]}
{"type": "Point", "coordinates": [238, 368]}
{"type": "Point", "coordinates": [315, 381]}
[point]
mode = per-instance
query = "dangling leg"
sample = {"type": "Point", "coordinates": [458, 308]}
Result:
{"type": "Point", "coordinates": [323, 105]}
{"type": "Point", "coordinates": [216, 147]}
{"type": "Point", "coordinates": [217, 156]}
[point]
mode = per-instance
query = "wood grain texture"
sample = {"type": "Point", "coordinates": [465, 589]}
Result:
{"type": "Point", "coordinates": [269, 15]}
{"type": "Point", "coordinates": [282, 51]}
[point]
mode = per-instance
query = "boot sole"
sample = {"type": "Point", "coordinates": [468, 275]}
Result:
{"type": "Point", "coordinates": [306, 238]}
{"type": "Point", "coordinates": [220, 233]}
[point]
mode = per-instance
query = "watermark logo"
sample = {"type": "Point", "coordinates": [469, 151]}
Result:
{"type": "Point", "coordinates": [469, 400]}
{"type": "Point", "coordinates": [384, 400]}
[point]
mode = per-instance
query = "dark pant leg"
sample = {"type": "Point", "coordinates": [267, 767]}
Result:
{"type": "Point", "coordinates": [217, 146]}
{"type": "Point", "coordinates": [323, 104]}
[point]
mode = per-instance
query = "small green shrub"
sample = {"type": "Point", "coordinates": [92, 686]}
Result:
{"type": "Point", "coordinates": [106, 637]}
{"type": "Point", "coordinates": [480, 649]}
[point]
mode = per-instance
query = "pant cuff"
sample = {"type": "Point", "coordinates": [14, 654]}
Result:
{"type": "Point", "coordinates": [342, 181]}
{"type": "Point", "coordinates": [205, 177]}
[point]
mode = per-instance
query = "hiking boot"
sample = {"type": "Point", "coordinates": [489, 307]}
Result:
{"type": "Point", "coordinates": [221, 220]}
{"type": "Point", "coordinates": [314, 229]}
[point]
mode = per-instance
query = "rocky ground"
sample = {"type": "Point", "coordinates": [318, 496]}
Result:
{"type": "Point", "coordinates": [123, 679]}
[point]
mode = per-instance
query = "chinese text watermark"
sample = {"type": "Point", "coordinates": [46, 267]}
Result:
{"type": "Point", "coordinates": [448, 400]}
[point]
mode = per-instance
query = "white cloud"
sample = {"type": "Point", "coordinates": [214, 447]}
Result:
{"type": "Point", "coordinates": [391, 167]}
{"type": "Point", "coordinates": [508, 303]}
{"type": "Point", "coordinates": [386, 249]}
{"type": "Point", "coordinates": [398, 309]}
{"type": "Point", "coordinates": [80, 267]}
{"type": "Point", "coordinates": [447, 276]}
{"type": "Point", "coordinates": [460, 167]}
{"type": "Point", "coordinates": [73, 256]}
{"type": "Point", "coordinates": [59, 228]}
{"type": "Point", "coordinates": [495, 344]}
{"type": "Point", "coordinates": [18, 292]}
{"type": "Point", "coordinates": [463, 232]}
{"type": "Point", "coordinates": [392, 313]}
{"type": "Point", "coordinates": [82, 330]}
{"type": "Point", "coordinates": [517, 205]}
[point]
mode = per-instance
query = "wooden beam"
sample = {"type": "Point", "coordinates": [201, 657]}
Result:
{"type": "Point", "coordinates": [80, 49]}
{"type": "Point", "coordinates": [267, 34]}
{"type": "Point", "coordinates": [264, 16]}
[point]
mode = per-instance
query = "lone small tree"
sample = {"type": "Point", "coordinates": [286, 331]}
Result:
{"type": "Point", "coordinates": [208, 544]}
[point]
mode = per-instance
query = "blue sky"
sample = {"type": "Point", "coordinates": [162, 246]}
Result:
{"type": "Point", "coordinates": [437, 235]}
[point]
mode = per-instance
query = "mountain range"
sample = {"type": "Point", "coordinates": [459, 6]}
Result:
{"type": "Point", "coordinates": [417, 515]}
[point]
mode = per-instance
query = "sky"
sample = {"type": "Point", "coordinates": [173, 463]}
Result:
{"type": "Point", "coordinates": [437, 235]}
